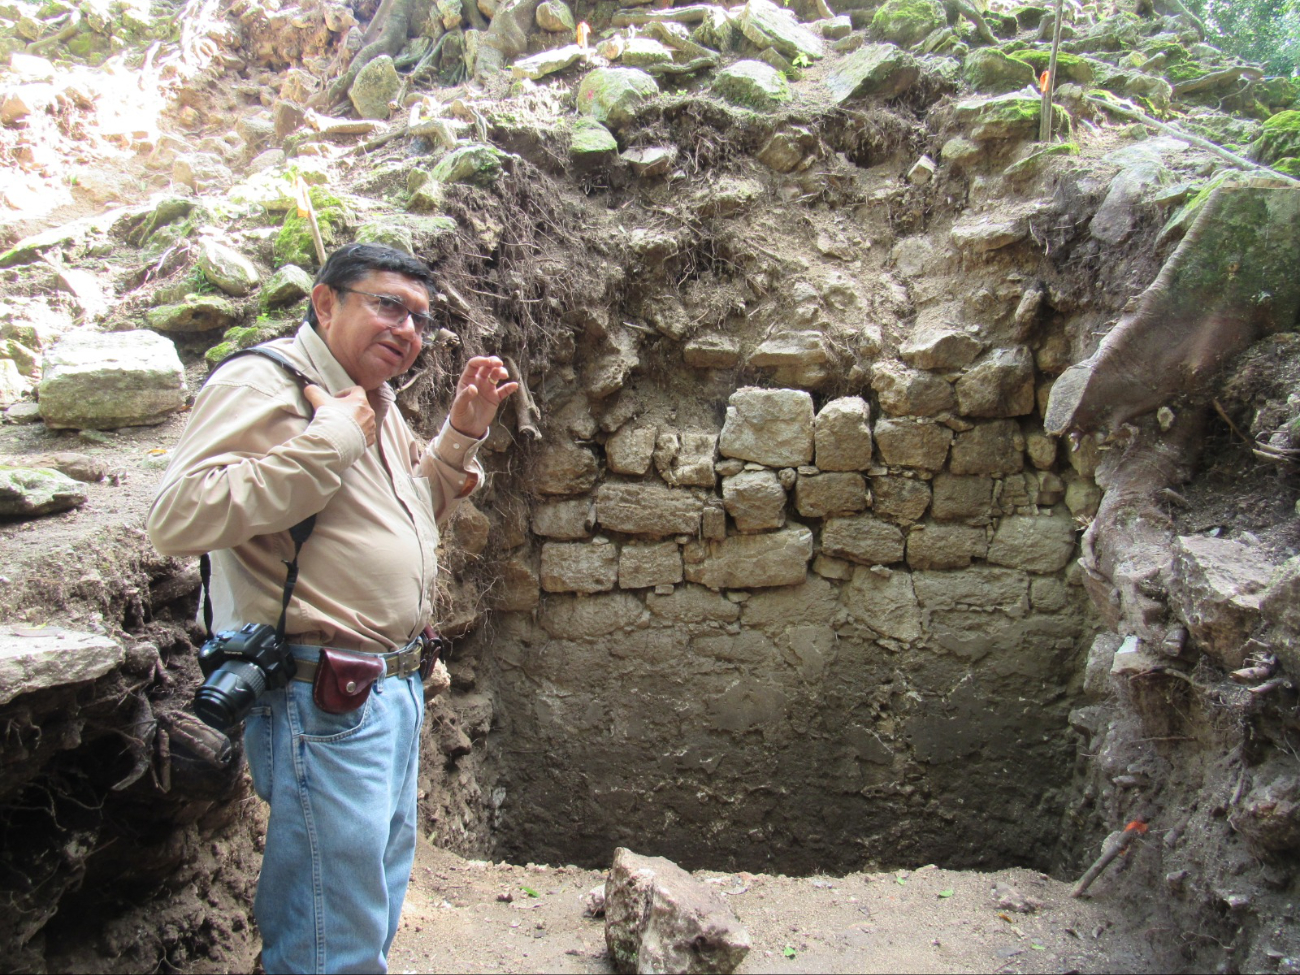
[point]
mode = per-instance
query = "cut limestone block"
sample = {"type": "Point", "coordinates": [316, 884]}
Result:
{"type": "Point", "coordinates": [104, 381]}
{"type": "Point", "coordinates": [773, 427]}
{"type": "Point", "coordinates": [39, 658]}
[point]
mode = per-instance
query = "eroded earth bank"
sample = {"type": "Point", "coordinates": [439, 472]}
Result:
{"type": "Point", "coordinates": [894, 487]}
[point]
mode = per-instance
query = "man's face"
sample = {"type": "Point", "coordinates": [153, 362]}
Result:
{"type": "Point", "coordinates": [370, 351]}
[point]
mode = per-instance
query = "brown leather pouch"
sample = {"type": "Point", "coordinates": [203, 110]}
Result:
{"type": "Point", "coordinates": [343, 680]}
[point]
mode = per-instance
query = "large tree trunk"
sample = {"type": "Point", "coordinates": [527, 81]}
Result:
{"type": "Point", "coordinates": [386, 34]}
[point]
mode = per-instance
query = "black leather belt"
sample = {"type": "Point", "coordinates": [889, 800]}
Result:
{"type": "Point", "coordinates": [398, 663]}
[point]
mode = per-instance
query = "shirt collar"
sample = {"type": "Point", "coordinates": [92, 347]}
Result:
{"type": "Point", "coordinates": [333, 376]}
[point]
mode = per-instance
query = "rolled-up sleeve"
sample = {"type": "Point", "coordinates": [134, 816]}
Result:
{"type": "Point", "coordinates": [450, 462]}
{"type": "Point", "coordinates": [249, 463]}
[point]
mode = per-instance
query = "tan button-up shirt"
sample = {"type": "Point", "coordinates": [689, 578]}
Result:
{"type": "Point", "coordinates": [254, 461]}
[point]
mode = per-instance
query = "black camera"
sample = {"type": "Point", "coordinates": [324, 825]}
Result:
{"type": "Point", "coordinates": [238, 666]}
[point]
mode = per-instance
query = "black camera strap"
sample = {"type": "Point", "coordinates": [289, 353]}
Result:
{"type": "Point", "coordinates": [299, 532]}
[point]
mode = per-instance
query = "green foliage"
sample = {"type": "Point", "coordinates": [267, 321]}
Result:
{"type": "Point", "coordinates": [294, 244]}
{"type": "Point", "coordinates": [1264, 31]}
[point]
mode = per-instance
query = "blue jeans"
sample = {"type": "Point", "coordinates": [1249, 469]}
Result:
{"type": "Point", "coordinates": [341, 839]}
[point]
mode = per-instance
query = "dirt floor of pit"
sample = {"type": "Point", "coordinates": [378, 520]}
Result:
{"type": "Point", "coordinates": [457, 919]}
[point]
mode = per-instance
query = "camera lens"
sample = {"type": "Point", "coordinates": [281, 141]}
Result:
{"type": "Point", "coordinates": [226, 696]}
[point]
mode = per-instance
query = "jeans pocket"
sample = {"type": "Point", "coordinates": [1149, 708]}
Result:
{"type": "Point", "coordinates": [260, 751]}
{"type": "Point", "coordinates": [313, 724]}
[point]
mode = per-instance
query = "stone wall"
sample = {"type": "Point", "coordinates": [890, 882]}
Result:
{"type": "Point", "coordinates": [778, 629]}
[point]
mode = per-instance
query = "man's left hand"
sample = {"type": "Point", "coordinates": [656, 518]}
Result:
{"type": "Point", "coordinates": [483, 387]}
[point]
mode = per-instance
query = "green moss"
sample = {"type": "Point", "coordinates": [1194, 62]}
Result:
{"type": "Point", "coordinates": [1032, 163]}
{"type": "Point", "coordinates": [1069, 67]}
{"type": "Point", "coordinates": [246, 336]}
{"type": "Point", "coordinates": [905, 22]}
{"type": "Point", "coordinates": [294, 243]}
{"type": "Point", "coordinates": [1174, 52]}
{"type": "Point", "coordinates": [1290, 165]}
{"type": "Point", "coordinates": [1279, 138]}
{"type": "Point", "coordinates": [1186, 71]}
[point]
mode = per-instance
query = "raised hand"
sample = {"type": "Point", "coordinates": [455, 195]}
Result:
{"type": "Point", "coordinates": [484, 385]}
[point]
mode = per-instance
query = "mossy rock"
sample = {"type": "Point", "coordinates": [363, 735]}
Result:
{"type": "Point", "coordinates": [197, 313]}
{"type": "Point", "coordinates": [1277, 92]}
{"type": "Point", "coordinates": [1290, 165]}
{"type": "Point", "coordinates": [613, 96]}
{"type": "Point", "coordinates": [247, 336]}
{"type": "Point", "coordinates": [752, 84]}
{"type": "Point", "coordinates": [906, 22]}
{"type": "Point", "coordinates": [590, 141]}
{"type": "Point", "coordinates": [1033, 163]}
{"type": "Point", "coordinates": [988, 69]}
{"type": "Point", "coordinates": [477, 165]}
{"type": "Point", "coordinates": [1185, 71]}
{"type": "Point", "coordinates": [1007, 117]}
{"type": "Point", "coordinates": [386, 233]}
{"type": "Point", "coordinates": [1174, 52]}
{"type": "Point", "coordinates": [1069, 67]}
{"type": "Point", "coordinates": [294, 243]}
{"type": "Point", "coordinates": [1279, 138]}
{"type": "Point", "coordinates": [290, 283]}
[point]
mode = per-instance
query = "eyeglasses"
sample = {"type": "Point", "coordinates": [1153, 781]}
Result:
{"type": "Point", "coordinates": [391, 311]}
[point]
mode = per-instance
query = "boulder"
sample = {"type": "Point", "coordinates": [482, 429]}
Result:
{"type": "Point", "coordinates": [989, 70]}
{"type": "Point", "coordinates": [289, 284]}
{"type": "Point", "coordinates": [842, 435]}
{"type": "Point", "coordinates": [864, 538]}
{"type": "Point", "coordinates": [643, 52]}
{"type": "Point", "coordinates": [685, 459]}
{"type": "Point", "coordinates": [773, 427]}
{"type": "Point", "coordinates": [819, 495]}
{"type": "Point", "coordinates": [555, 16]}
{"type": "Point", "coordinates": [1011, 116]}
{"type": "Point", "coordinates": [518, 590]}
{"type": "Point", "coordinates": [904, 442]}
{"type": "Point", "coordinates": [565, 468]}
{"type": "Point", "coordinates": [707, 351]}
{"type": "Point", "coordinates": [904, 391]}
{"type": "Point", "coordinates": [995, 447]}
{"type": "Point", "coordinates": [752, 84]}
{"type": "Point", "coordinates": [196, 313]}
{"type": "Point", "coordinates": [788, 147]}
{"type": "Point", "coordinates": [879, 70]}
{"type": "Point", "coordinates": [885, 601]}
{"type": "Point", "coordinates": [590, 142]}
{"type": "Point", "coordinates": [201, 171]}
{"type": "Point", "coordinates": [630, 449]}
{"type": "Point", "coordinates": [940, 349]}
{"type": "Point", "coordinates": [475, 164]}
{"type": "Point", "coordinates": [799, 358]}
{"type": "Point", "coordinates": [1000, 384]}
{"type": "Point", "coordinates": [579, 566]}
{"type": "Point", "coordinates": [651, 161]}
{"type": "Point", "coordinates": [983, 232]}
{"type": "Point", "coordinates": [658, 918]}
{"type": "Point", "coordinates": [1217, 587]}
{"type": "Point", "coordinates": [374, 87]}
{"type": "Point", "coordinates": [105, 381]}
{"type": "Point", "coordinates": [39, 658]}
{"type": "Point", "coordinates": [12, 383]}
{"type": "Point", "coordinates": [565, 520]}
{"type": "Point", "coordinates": [1280, 606]}
{"type": "Point", "coordinates": [27, 492]}
{"type": "Point", "coordinates": [693, 604]}
{"type": "Point", "coordinates": [907, 22]}
{"type": "Point", "coordinates": [226, 268]}
{"type": "Point", "coordinates": [982, 587]}
{"type": "Point", "coordinates": [778, 558]}
{"type": "Point", "coordinates": [588, 617]}
{"type": "Point", "coordinates": [901, 500]}
{"type": "Point", "coordinates": [945, 546]}
{"type": "Point", "coordinates": [767, 25]}
{"type": "Point", "coordinates": [755, 500]}
{"type": "Point", "coordinates": [614, 95]}
{"type": "Point", "coordinates": [648, 509]}
{"type": "Point", "coordinates": [1034, 542]}
{"type": "Point", "coordinates": [545, 63]}
{"type": "Point", "coordinates": [962, 498]}
{"type": "Point", "coordinates": [642, 566]}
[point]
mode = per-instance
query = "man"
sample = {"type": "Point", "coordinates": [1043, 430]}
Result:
{"type": "Point", "coordinates": [260, 455]}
